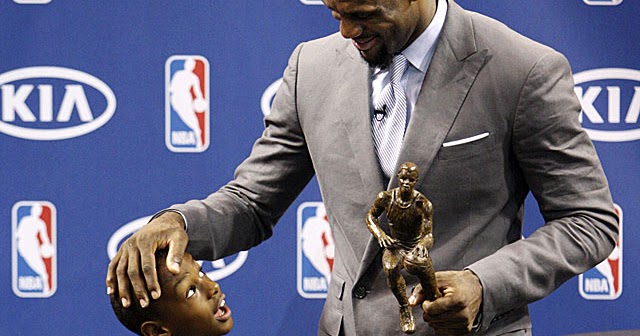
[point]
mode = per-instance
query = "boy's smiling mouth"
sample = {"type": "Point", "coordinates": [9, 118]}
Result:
{"type": "Point", "coordinates": [223, 313]}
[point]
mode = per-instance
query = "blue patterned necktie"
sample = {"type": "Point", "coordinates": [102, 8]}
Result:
{"type": "Point", "coordinates": [390, 118]}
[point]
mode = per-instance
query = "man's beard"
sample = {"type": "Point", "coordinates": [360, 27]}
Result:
{"type": "Point", "coordinates": [381, 60]}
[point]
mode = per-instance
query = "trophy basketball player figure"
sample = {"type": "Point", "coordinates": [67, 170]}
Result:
{"type": "Point", "coordinates": [410, 217]}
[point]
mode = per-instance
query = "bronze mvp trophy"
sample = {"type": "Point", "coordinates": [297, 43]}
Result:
{"type": "Point", "coordinates": [410, 217]}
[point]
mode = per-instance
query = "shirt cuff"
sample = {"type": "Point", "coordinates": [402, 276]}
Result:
{"type": "Point", "coordinates": [478, 321]}
{"type": "Point", "coordinates": [157, 214]}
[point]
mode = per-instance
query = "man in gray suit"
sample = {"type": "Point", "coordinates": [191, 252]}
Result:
{"type": "Point", "coordinates": [491, 117]}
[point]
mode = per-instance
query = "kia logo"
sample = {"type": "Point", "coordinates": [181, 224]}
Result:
{"type": "Point", "coordinates": [610, 99]}
{"type": "Point", "coordinates": [29, 112]}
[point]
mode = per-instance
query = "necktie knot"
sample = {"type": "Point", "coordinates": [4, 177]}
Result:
{"type": "Point", "coordinates": [399, 65]}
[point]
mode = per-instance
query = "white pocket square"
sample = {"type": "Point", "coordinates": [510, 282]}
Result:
{"type": "Point", "coordinates": [465, 140]}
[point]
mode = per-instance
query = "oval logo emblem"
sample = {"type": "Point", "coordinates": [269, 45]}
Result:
{"type": "Point", "coordinates": [610, 99]}
{"type": "Point", "coordinates": [216, 270]}
{"type": "Point", "coordinates": [267, 97]}
{"type": "Point", "coordinates": [53, 103]}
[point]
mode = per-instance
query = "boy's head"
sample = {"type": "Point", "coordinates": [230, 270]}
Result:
{"type": "Point", "coordinates": [190, 304]}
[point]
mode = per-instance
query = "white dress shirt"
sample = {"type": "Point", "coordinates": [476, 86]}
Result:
{"type": "Point", "coordinates": [419, 54]}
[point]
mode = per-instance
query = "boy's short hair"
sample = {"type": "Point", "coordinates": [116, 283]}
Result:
{"type": "Point", "coordinates": [134, 316]}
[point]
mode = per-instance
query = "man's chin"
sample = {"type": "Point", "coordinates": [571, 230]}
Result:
{"type": "Point", "coordinates": [379, 59]}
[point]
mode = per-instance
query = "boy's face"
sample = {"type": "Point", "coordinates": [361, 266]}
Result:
{"type": "Point", "coordinates": [191, 303]}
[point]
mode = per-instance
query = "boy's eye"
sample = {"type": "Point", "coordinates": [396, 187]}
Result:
{"type": "Point", "coordinates": [191, 292]}
{"type": "Point", "coordinates": [201, 274]}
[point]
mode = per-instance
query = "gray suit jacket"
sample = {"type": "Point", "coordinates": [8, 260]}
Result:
{"type": "Point", "coordinates": [484, 78]}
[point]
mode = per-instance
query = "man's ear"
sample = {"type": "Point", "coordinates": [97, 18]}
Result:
{"type": "Point", "coordinates": [153, 328]}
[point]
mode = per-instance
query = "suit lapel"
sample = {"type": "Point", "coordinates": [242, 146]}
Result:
{"type": "Point", "coordinates": [455, 65]}
{"type": "Point", "coordinates": [452, 71]}
{"type": "Point", "coordinates": [354, 83]}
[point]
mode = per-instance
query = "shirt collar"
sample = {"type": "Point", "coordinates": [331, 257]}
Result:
{"type": "Point", "coordinates": [419, 52]}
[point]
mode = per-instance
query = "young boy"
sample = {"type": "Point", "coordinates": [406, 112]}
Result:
{"type": "Point", "coordinates": [191, 304]}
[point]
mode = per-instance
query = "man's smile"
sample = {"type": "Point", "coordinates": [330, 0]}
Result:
{"type": "Point", "coordinates": [364, 44]}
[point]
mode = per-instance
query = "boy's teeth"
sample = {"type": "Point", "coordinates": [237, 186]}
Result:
{"type": "Point", "coordinates": [222, 303]}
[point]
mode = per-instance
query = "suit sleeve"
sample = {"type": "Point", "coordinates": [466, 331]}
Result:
{"type": "Point", "coordinates": [564, 174]}
{"type": "Point", "coordinates": [243, 213]}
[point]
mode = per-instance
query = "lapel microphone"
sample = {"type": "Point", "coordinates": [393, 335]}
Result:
{"type": "Point", "coordinates": [380, 114]}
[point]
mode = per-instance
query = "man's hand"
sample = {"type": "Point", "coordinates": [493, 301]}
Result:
{"type": "Point", "coordinates": [135, 262]}
{"type": "Point", "coordinates": [455, 312]}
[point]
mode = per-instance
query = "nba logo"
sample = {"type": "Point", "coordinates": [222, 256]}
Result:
{"type": "Point", "coordinates": [187, 104]}
{"type": "Point", "coordinates": [316, 250]}
{"type": "Point", "coordinates": [34, 249]}
{"type": "Point", "coordinates": [604, 282]}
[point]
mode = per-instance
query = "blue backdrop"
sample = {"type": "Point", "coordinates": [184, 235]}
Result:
{"type": "Point", "coordinates": [95, 136]}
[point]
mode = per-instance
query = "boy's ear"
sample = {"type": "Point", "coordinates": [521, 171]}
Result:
{"type": "Point", "coordinates": [153, 328]}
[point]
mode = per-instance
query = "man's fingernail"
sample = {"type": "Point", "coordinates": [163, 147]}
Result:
{"type": "Point", "coordinates": [109, 290]}
{"type": "Point", "coordinates": [155, 295]}
{"type": "Point", "coordinates": [412, 300]}
{"type": "Point", "coordinates": [175, 267]}
{"type": "Point", "coordinates": [125, 302]}
{"type": "Point", "coordinates": [143, 303]}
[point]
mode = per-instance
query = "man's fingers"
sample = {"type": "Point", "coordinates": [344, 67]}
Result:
{"type": "Point", "coordinates": [455, 311]}
{"type": "Point", "coordinates": [136, 279]}
{"type": "Point", "coordinates": [449, 323]}
{"type": "Point", "coordinates": [439, 306]}
{"type": "Point", "coordinates": [148, 266]}
{"type": "Point", "coordinates": [134, 266]}
{"type": "Point", "coordinates": [122, 279]}
{"type": "Point", "coordinates": [448, 315]}
{"type": "Point", "coordinates": [177, 246]}
{"type": "Point", "coordinates": [450, 318]}
{"type": "Point", "coordinates": [112, 278]}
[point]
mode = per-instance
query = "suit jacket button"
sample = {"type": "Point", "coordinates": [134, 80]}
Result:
{"type": "Point", "coordinates": [360, 292]}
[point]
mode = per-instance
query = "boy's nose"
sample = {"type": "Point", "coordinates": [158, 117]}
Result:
{"type": "Point", "coordinates": [213, 288]}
